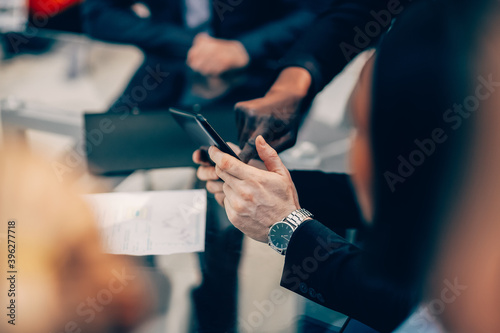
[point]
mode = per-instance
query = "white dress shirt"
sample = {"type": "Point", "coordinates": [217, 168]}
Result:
{"type": "Point", "coordinates": [421, 321]}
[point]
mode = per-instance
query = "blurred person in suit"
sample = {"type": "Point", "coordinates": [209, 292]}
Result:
{"type": "Point", "coordinates": [197, 51]}
{"type": "Point", "coordinates": [415, 165]}
{"type": "Point", "coordinates": [461, 292]}
{"type": "Point", "coordinates": [63, 281]}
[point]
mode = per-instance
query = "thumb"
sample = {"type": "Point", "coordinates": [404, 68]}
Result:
{"type": "Point", "coordinates": [270, 157]}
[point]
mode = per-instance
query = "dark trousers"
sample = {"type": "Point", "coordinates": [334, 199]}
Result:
{"type": "Point", "coordinates": [157, 84]}
{"type": "Point", "coordinates": [215, 300]}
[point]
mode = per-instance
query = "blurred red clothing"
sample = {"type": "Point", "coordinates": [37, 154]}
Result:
{"type": "Point", "coordinates": [51, 7]}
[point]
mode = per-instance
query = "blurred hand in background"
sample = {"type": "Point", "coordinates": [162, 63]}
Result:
{"type": "Point", "coordinates": [215, 56]}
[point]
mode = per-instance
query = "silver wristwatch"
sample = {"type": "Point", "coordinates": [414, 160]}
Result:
{"type": "Point", "coordinates": [280, 233]}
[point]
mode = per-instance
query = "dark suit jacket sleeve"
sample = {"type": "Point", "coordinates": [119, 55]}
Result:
{"type": "Point", "coordinates": [335, 38]}
{"type": "Point", "coordinates": [114, 21]}
{"type": "Point", "coordinates": [330, 197]}
{"type": "Point", "coordinates": [272, 39]}
{"type": "Point", "coordinates": [325, 268]}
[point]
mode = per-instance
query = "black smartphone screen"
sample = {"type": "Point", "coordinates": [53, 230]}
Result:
{"type": "Point", "coordinates": [201, 132]}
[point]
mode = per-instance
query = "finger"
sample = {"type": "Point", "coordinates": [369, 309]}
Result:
{"type": "Point", "coordinates": [237, 213]}
{"type": "Point", "coordinates": [248, 128]}
{"type": "Point", "coordinates": [205, 67]}
{"type": "Point", "coordinates": [226, 177]}
{"type": "Point", "coordinates": [212, 68]}
{"type": "Point", "coordinates": [285, 142]}
{"type": "Point", "coordinates": [194, 62]}
{"type": "Point", "coordinates": [257, 163]}
{"type": "Point", "coordinates": [226, 164]}
{"type": "Point", "coordinates": [244, 113]}
{"type": "Point", "coordinates": [214, 187]}
{"type": "Point", "coordinates": [197, 157]}
{"type": "Point", "coordinates": [207, 173]}
{"type": "Point", "coordinates": [198, 64]}
{"type": "Point", "coordinates": [270, 157]}
{"type": "Point", "coordinates": [249, 150]}
{"type": "Point", "coordinates": [220, 198]}
{"type": "Point", "coordinates": [201, 157]}
{"type": "Point", "coordinates": [201, 58]}
{"type": "Point", "coordinates": [191, 54]}
{"type": "Point", "coordinates": [231, 215]}
{"type": "Point", "coordinates": [194, 55]}
{"type": "Point", "coordinates": [234, 201]}
{"type": "Point", "coordinates": [220, 65]}
{"type": "Point", "coordinates": [234, 148]}
{"type": "Point", "coordinates": [218, 70]}
{"type": "Point", "coordinates": [205, 157]}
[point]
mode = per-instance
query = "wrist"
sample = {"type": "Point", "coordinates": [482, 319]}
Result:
{"type": "Point", "coordinates": [296, 80]}
{"type": "Point", "coordinates": [280, 233]}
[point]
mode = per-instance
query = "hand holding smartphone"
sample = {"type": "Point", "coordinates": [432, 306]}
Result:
{"type": "Point", "coordinates": [201, 132]}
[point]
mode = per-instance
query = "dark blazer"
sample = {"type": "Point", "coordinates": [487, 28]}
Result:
{"type": "Point", "coordinates": [325, 268]}
{"type": "Point", "coordinates": [265, 27]}
{"type": "Point", "coordinates": [345, 29]}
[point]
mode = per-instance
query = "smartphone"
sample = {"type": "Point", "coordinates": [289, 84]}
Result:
{"type": "Point", "coordinates": [200, 131]}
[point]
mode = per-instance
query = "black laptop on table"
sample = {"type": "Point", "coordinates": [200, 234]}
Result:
{"type": "Point", "coordinates": [119, 143]}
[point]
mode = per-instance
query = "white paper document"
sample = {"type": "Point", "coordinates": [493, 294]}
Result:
{"type": "Point", "coordinates": [151, 223]}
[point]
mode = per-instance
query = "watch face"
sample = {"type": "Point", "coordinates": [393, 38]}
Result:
{"type": "Point", "coordinates": [280, 235]}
